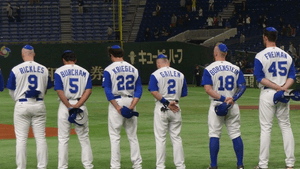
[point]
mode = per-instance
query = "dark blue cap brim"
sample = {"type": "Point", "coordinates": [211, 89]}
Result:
{"type": "Point", "coordinates": [116, 47]}
{"type": "Point", "coordinates": [28, 47]}
{"type": "Point", "coordinates": [68, 51]}
{"type": "Point", "coordinates": [162, 56]}
{"type": "Point", "coordinates": [271, 29]}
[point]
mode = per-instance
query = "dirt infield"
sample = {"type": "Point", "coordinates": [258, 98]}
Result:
{"type": "Point", "coordinates": [7, 132]}
{"type": "Point", "coordinates": [292, 107]}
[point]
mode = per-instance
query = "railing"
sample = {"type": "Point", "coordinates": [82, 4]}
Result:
{"type": "Point", "coordinates": [201, 34]}
{"type": "Point", "coordinates": [220, 37]}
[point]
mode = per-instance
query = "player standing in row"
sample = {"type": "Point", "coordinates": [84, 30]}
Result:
{"type": "Point", "coordinates": [73, 85]}
{"type": "Point", "coordinates": [224, 83]}
{"type": "Point", "coordinates": [167, 85]}
{"type": "Point", "coordinates": [123, 89]}
{"type": "Point", "coordinates": [1, 81]}
{"type": "Point", "coordinates": [274, 70]}
{"type": "Point", "coordinates": [27, 84]}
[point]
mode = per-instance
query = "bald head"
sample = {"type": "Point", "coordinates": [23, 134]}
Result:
{"type": "Point", "coordinates": [163, 62]}
{"type": "Point", "coordinates": [28, 53]}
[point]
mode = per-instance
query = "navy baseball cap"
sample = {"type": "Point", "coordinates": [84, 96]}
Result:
{"type": "Point", "coordinates": [68, 51]}
{"type": "Point", "coordinates": [28, 47]}
{"type": "Point", "coordinates": [271, 29]}
{"type": "Point", "coordinates": [223, 47]}
{"type": "Point", "coordinates": [162, 56]}
{"type": "Point", "coordinates": [116, 47]}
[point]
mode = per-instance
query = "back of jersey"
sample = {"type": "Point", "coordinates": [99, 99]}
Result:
{"type": "Point", "coordinates": [73, 80]}
{"type": "Point", "coordinates": [122, 77]}
{"type": "Point", "coordinates": [223, 76]}
{"type": "Point", "coordinates": [274, 64]}
{"type": "Point", "coordinates": [170, 83]}
{"type": "Point", "coordinates": [28, 76]}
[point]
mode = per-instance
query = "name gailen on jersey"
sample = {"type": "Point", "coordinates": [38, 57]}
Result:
{"type": "Point", "coordinates": [170, 74]}
{"type": "Point", "coordinates": [31, 69]}
{"type": "Point", "coordinates": [216, 69]}
{"type": "Point", "coordinates": [72, 72]}
{"type": "Point", "coordinates": [119, 69]}
{"type": "Point", "coordinates": [275, 54]}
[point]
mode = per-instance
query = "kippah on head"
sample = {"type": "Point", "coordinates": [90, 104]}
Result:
{"type": "Point", "coordinates": [223, 47]}
{"type": "Point", "coordinates": [116, 47]}
{"type": "Point", "coordinates": [28, 47]}
{"type": "Point", "coordinates": [68, 51]}
{"type": "Point", "coordinates": [162, 56]}
{"type": "Point", "coordinates": [271, 29]}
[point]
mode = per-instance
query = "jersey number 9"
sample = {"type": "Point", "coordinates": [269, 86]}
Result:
{"type": "Point", "coordinates": [32, 80]}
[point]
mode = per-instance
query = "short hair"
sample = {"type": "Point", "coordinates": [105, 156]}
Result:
{"type": "Point", "coordinates": [69, 56]}
{"type": "Point", "coordinates": [271, 35]}
{"type": "Point", "coordinates": [119, 53]}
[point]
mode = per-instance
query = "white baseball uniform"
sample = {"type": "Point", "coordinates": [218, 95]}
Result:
{"type": "Point", "coordinates": [171, 84]}
{"type": "Point", "coordinates": [224, 78]}
{"type": "Point", "coordinates": [73, 80]}
{"type": "Point", "coordinates": [121, 81]}
{"type": "Point", "coordinates": [28, 83]}
{"type": "Point", "coordinates": [277, 66]}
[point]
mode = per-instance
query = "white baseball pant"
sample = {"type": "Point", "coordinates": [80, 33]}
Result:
{"type": "Point", "coordinates": [267, 110]}
{"type": "Point", "coordinates": [64, 127]}
{"type": "Point", "coordinates": [163, 122]}
{"type": "Point", "coordinates": [231, 120]}
{"type": "Point", "coordinates": [115, 123]}
{"type": "Point", "coordinates": [32, 113]}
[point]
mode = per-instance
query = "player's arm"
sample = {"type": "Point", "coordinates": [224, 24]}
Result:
{"type": "Point", "coordinates": [106, 84]}
{"type": "Point", "coordinates": [184, 91]}
{"type": "Point", "coordinates": [290, 78]}
{"type": "Point", "coordinates": [11, 84]}
{"type": "Point", "coordinates": [58, 87]}
{"type": "Point", "coordinates": [260, 76]}
{"type": "Point", "coordinates": [241, 86]}
{"type": "Point", "coordinates": [137, 93]}
{"type": "Point", "coordinates": [86, 94]}
{"type": "Point", "coordinates": [1, 81]}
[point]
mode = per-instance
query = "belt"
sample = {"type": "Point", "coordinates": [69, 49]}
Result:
{"type": "Point", "coordinates": [75, 99]}
{"type": "Point", "coordinates": [119, 96]}
{"type": "Point", "coordinates": [266, 87]}
{"type": "Point", "coordinates": [25, 100]}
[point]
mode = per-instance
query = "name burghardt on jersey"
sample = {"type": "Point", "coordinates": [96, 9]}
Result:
{"type": "Point", "coordinates": [275, 54]}
{"type": "Point", "coordinates": [219, 68]}
{"type": "Point", "coordinates": [73, 72]}
{"type": "Point", "coordinates": [31, 69]}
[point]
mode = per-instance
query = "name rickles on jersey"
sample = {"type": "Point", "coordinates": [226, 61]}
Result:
{"type": "Point", "coordinates": [275, 54]}
{"type": "Point", "coordinates": [72, 72]}
{"type": "Point", "coordinates": [219, 68]}
{"type": "Point", "coordinates": [31, 69]}
{"type": "Point", "coordinates": [119, 69]}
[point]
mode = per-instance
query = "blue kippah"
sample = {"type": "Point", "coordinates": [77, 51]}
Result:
{"type": "Point", "coordinates": [162, 56]}
{"type": "Point", "coordinates": [271, 29]}
{"type": "Point", "coordinates": [116, 47]}
{"type": "Point", "coordinates": [28, 47]}
{"type": "Point", "coordinates": [223, 47]}
{"type": "Point", "coordinates": [68, 51]}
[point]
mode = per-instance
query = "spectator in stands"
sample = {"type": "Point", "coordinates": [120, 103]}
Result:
{"type": "Point", "coordinates": [292, 49]}
{"type": "Point", "coordinates": [260, 21]}
{"type": "Point", "coordinates": [9, 10]}
{"type": "Point", "coordinates": [211, 5]}
{"type": "Point", "coordinates": [242, 39]}
{"type": "Point", "coordinates": [157, 10]}
{"type": "Point", "coordinates": [280, 22]}
{"type": "Point", "coordinates": [182, 4]}
{"type": "Point", "coordinates": [80, 6]}
{"type": "Point", "coordinates": [156, 32]}
{"type": "Point", "coordinates": [220, 22]}
{"type": "Point", "coordinates": [147, 34]}
{"type": "Point", "coordinates": [109, 32]}
{"type": "Point", "coordinates": [193, 5]}
{"type": "Point", "coordinates": [248, 20]}
{"type": "Point", "coordinates": [164, 32]}
{"type": "Point", "coordinates": [187, 20]}
{"type": "Point", "coordinates": [210, 22]}
{"type": "Point", "coordinates": [227, 24]}
{"type": "Point", "coordinates": [181, 20]}
{"type": "Point", "coordinates": [244, 7]}
{"type": "Point", "coordinates": [215, 24]}
{"type": "Point", "coordinates": [18, 14]}
{"type": "Point", "coordinates": [289, 30]}
{"type": "Point", "coordinates": [293, 32]}
{"type": "Point", "coordinates": [200, 12]}
{"type": "Point", "coordinates": [197, 73]}
{"type": "Point", "coordinates": [189, 5]}
{"type": "Point", "coordinates": [281, 46]}
{"type": "Point", "coordinates": [265, 21]}
{"type": "Point", "coordinates": [240, 20]}
{"type": "Point", "coordinates": [173, 20]}
{"type": "Point", "coordinates": [283, 31]}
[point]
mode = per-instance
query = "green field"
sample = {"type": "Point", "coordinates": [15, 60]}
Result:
{"type": "Point", "coordinates": [194, 134]}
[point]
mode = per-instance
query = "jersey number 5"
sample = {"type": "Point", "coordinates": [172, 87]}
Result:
{"type": "Point", "coordinates": [73, 85]}
{"type": "Point", "coordinates": [129, 82]}
{"type": "Point", "coordinates": [282, 69]}
{"type": "Point", "coordinates": [229, 83]}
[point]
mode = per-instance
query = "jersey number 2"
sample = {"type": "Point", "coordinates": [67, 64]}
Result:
{"type": "Point", "coordinates": [171, 87]}
{"type": "Point", "coordinates": [129, 82]}
{"type": "Point", "coordinates": [229, 83]}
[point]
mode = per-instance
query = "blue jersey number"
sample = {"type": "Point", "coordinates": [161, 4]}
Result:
{"type": "Point", "coordinates": [74, 86]}
{"type": "Point", "coordinates": [229, 83]}
{"type": "Point", "coordinates": [129, 82]}
{"type": "Point", "coordinates": [32, 80]}
{"type": "Point", "coordinates": [171, 88]}
{"type": "Point", "coordinates": [281, 66]}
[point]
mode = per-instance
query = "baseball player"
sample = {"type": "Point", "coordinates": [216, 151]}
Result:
{"type": "Point", "coordinates": [1, 81]}
{"type": "Point", "coordinates": [123, 88]}
{"type": "Point", "coordinates": [224, 83]}
{"type": "Point", "coordinates": [73, 85]}
{"type": "Point", "coordinates": [27, 85]}
{"type": "Point", "coordinates": [274, 70]}
{"type": "Point", "coordinates": [167, 85]}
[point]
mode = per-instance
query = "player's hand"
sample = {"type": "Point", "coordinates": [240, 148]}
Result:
{"type": "Point", "coordinates": [119, 109]}
{"type": "Point", "coordinates": [74, 106]}
{"type": "Point", "coordinates": [173, 107]}
{"type": "Point", "coordinates": [229, 100]}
